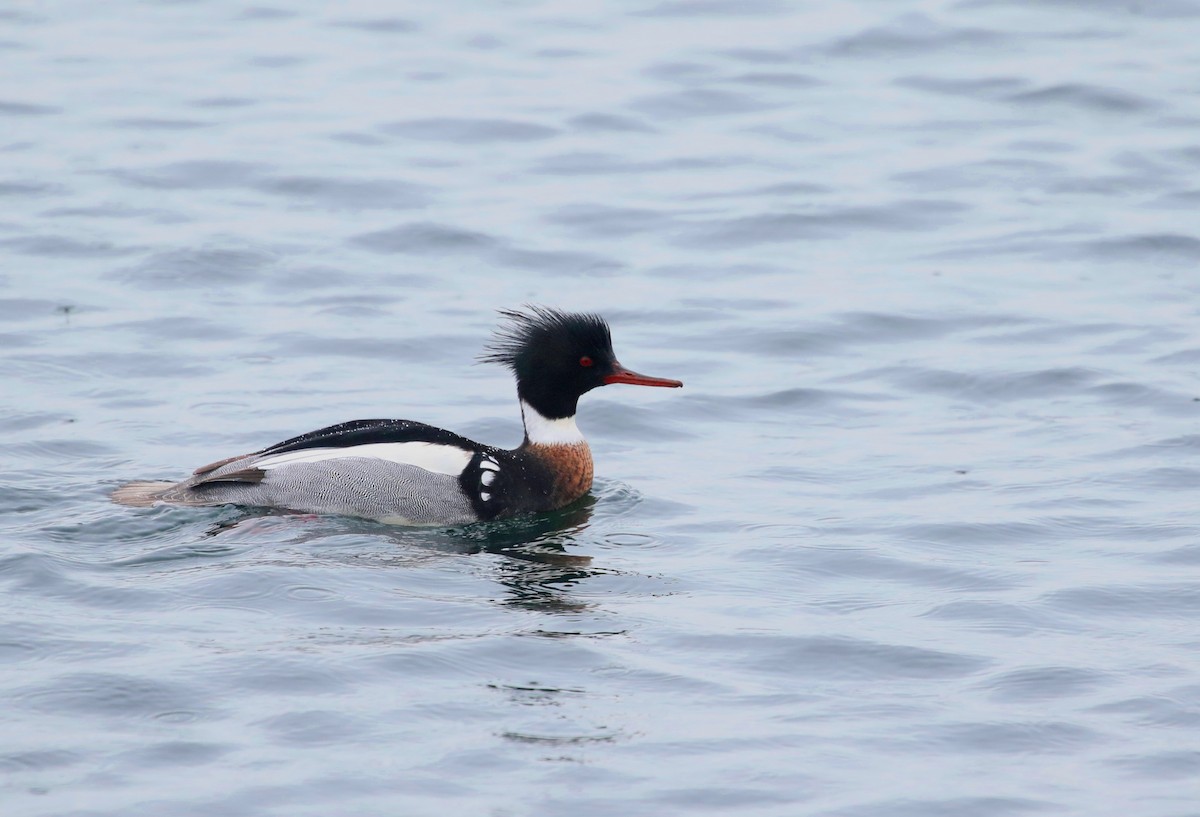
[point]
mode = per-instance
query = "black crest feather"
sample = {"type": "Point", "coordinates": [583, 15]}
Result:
{"type": "Point", "coordinates": [533, 325]}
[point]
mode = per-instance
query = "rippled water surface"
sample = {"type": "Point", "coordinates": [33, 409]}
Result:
{"type": "Point", "coordinates": [918, 537]}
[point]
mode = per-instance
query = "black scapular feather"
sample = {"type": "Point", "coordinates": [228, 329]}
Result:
{"type": "Point", "coordinates": [535, 326]}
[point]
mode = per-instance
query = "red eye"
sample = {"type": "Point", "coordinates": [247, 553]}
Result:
{"type": "Point", "coordinates": [585, 361]}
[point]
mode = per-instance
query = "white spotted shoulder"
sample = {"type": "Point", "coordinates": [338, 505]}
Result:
{"type": "Point", "coordinates": [488, 469]}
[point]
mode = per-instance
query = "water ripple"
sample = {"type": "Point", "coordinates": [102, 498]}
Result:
{"type": "Point", "coordinates": [107, 694]}
{"type": "Point", "coordinates": [822, 225]}
{"type": "Point", "coordinates": [912, 35]}
{"type": "Point", "coordinates": [1086, 97]}
{"type": "Point", "coordinates": [469, 131]}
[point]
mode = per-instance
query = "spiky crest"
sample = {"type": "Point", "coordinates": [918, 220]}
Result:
{"type": "Point", "coordinates": [534, 325]}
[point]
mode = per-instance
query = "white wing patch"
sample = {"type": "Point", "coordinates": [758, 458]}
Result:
{"type": "Point", "coordinates": [435, 457]}
{"type": "Point", "coordinates": [487, 478]}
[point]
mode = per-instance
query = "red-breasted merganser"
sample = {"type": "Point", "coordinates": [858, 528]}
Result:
{"type": "Point", "coordinates": [404, 472]}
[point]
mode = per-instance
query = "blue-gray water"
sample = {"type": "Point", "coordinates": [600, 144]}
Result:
{"type": "Point", "coordinates": [918, 538]}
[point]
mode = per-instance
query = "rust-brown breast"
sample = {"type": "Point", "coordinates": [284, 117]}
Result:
{"type": "Point", "coordinates": [571, 466]}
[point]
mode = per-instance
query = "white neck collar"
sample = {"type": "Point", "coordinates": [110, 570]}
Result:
{"type": "Point", "coordinates": [543, 431]}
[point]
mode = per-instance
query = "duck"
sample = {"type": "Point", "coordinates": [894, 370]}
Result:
{"type": "Point", "coordinates": [404, 472]}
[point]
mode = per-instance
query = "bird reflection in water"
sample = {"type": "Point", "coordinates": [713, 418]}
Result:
{"type": "Point", "coordinates": [536, 570]}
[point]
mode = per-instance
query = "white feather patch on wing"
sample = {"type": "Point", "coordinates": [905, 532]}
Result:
{"type": "Point", "coordinates": [435, 457]}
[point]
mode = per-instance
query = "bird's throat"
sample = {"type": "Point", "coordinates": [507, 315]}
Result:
{"type": "Point", "coordinates": [541, 430]}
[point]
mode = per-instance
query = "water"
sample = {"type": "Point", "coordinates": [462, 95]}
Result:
{"type": "Point", "coordinates": [918, 537]}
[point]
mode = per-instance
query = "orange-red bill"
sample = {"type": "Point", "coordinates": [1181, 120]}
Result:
{"type": "Point", "coordinates": [622, 375]}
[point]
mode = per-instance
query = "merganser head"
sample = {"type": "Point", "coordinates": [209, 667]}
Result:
{"type": "Point", "coordinates": [558, 356]}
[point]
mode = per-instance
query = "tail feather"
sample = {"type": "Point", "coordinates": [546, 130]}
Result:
{"type": "Point", "coordinates": [140, 494]}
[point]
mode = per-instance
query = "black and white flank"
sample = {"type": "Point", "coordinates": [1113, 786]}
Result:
{"type": "Point", "coordinates": [405, 472]}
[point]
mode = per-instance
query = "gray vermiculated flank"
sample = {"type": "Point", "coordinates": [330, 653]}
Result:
{"type": "Point", "coordinates": [353, 486]}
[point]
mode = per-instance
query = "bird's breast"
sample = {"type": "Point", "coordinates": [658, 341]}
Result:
{"type": "Point", "coordinates": [570, 466]}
